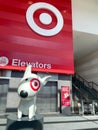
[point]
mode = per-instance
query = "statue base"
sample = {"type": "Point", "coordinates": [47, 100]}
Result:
{"type": "Point", "coordinates": [35, 123]}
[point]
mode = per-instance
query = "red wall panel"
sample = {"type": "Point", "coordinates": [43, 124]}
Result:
{"type": "Point", "coordinates": [20, 45]}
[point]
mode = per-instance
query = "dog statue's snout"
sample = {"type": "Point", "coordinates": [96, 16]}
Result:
{"type": "Point", "coordinates": [23, 94]}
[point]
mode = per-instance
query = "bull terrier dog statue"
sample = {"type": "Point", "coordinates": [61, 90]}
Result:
{"type": "Point", "coordinates": [28, 88]}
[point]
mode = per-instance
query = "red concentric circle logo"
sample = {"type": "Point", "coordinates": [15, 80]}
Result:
{"type": "Point", "coordinates": [45, 18]}
{"type": "Point", "coordinates": [3, 61]}
{"type": "Point", "coordinates": [35, 84]}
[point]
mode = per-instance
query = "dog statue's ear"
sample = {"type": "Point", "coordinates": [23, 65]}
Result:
{"type": "Point", "coordinates": [45, 79]}
{"type": "Point", "coordinates": [28, 71]}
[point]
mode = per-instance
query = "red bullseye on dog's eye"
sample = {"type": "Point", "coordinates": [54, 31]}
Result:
{"type": "Point", "coordinates": [35, 84]}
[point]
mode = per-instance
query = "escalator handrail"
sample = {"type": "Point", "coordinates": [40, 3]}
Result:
{"type": "Point", "coordinates": [82, 94]}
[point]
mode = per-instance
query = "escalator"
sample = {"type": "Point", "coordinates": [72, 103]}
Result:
{"type": "Point", "coordinates": [85, 94]}
{"type": "Point", "coordinates": [78, 93]}
{"type": "Point", "coordinates": [83, 86]}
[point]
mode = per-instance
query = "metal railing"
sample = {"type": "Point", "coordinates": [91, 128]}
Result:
{"type": "Point", "coordinates": [90, 88]}
{"type": "Point", "coordinates": [94, 85]}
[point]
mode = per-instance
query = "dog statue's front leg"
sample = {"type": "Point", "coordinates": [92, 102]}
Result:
{"type": "Point", "coordinates": [32, 111]}
{"type": "Point", "coordinates": [19, 114]}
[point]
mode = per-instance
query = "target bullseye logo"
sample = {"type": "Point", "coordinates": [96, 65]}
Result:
{"type": "Point", "coordinates": [45, 18]}
{"type": "Point", "coordinates": [35, 84]}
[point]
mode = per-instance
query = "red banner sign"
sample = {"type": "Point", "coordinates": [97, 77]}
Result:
{"type": "Point", "coordinates": [65, 96]}
{"type": "Point", "coordinates": [37, 33]}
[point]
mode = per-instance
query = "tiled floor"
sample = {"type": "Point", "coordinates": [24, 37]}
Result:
{"type": "Point", "coordinates": [59, 122]}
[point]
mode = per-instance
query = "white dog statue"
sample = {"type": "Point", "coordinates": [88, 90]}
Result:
{"type": "Point", "coordinates": [29, 86]}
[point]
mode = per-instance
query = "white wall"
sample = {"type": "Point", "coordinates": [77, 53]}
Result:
{"type": "Point", "coordinates": [85, 16]}
{"type": "Point", "coordinates": [87, 67]}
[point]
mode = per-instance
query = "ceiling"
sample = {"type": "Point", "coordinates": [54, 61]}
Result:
{"type": "Point", "coordinates": [85, 27]}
